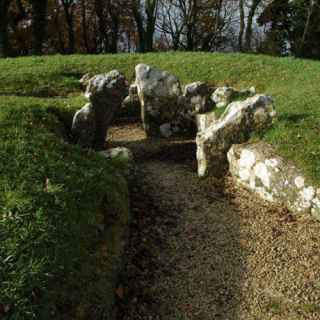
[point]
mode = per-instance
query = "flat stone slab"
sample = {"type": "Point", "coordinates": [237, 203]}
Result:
{"type": "Point", "coordinates": [257, 167]}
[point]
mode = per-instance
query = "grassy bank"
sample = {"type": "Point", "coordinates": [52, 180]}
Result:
{"type": "Point", "coordinates": [292, 82]}
{"type": "Point", "coordinates": [64, 212]}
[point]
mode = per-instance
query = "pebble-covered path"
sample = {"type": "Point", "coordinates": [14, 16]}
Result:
{"type": "Point", "coordinates": [203, 249]}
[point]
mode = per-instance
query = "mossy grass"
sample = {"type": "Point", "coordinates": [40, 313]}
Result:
{"type": "Point", "coordinates": [61, 206]}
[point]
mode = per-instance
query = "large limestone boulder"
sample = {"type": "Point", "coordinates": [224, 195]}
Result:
{"type": "Point", "coordinates": [222, 96]}
{"type": "Point", "coordinates": [105, 93]}
{"type": "Point", "coordinates": [257, 167]}
{"type": "Point", "coordinates": [159, 93]}
{"type": "Point", "coordinates": [236, 125]}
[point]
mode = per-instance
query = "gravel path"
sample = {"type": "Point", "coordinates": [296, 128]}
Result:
{"type": "Point", "coordinates": [204, 249]}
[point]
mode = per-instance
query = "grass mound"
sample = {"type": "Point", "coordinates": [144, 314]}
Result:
{"type": "Point", "coordinates": [63, 209]}
{"type": "Point", "coordinates": [292, 82]}
{"type": "Point", "coordinates": [63, 213]}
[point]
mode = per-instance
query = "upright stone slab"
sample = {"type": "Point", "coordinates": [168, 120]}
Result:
{"type": "Point", "coordinates": [236, 125]}
{"type": "Point", "coordinates": [257, 167]}
{"type": "Point", "coordinates": [159, 93]}
{"type": "Point", "coordinates": [105, 93]}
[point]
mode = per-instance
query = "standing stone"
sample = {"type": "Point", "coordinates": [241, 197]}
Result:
{"type": "Point", "coordinates": [84, 126]}
{"type": "Point", "coordinates": [236, 125]}
{"type": "Point", "coordinates": [159, 93]}
{"type": "Point", "coordinates": [105, 93]}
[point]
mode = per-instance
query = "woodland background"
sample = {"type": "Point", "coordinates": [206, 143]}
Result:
{"type": "Point", "coordinates": [278, 27]}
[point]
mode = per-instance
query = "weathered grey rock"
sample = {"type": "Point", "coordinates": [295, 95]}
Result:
{"type": "Point", "coordinates": [124, 155]}
{"type": "Point", "coordinates": [198, 97]}
{"type": "Point", "coordinates": [132, 100]}
{"type": "Point", "coordinates": [237, 123]}
{"type": "Point", "coordinates": [166, 130]}
{"type": "Point", "coordinates": [257, 167]}
{"type": "Point", "coordinates": [85, 79]}
{"type": "Point", "coordinates": [159, 93]}
{"type": "Point", "coordinates": [121, 153]}
{"type": "Point", "coordinates": [105, 93]}
{"type": "Point", "coordinates": [222, 96]}
{"type": "Point", "coordinates": [84, 126]}
{"type": "Point", "coordinates": [195, 100]}
{"type": "Point", "coordinates": [205, 120]}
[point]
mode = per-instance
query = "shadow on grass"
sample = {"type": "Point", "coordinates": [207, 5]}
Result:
{"type": "Point", "coordinates": [293, 118]}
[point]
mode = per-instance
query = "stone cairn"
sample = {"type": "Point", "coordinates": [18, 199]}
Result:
{"type": "Point", "coordinates": [169, 109]}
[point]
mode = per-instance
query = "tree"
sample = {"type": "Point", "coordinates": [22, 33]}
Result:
{"type": "Point", "coordinates": [83, 4]}
{"type": "Point", "coordinates": [294, 27]}
{"type": "Point", "coordinates": [145, 16]}
{"type": "Point", "coordinates": [251, 15]}
{"type": "Point", "coordinates": [39, 24]}
{"type": "Point", "coordinates": [4, 42]}
{"type": "Point", "coordinates": [68, 6]}
{"type": "Point", "coordinates": [242, 24]}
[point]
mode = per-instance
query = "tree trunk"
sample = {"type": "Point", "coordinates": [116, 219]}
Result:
{"type": "Point", "coordinates": [102, 26]}
{"type": "Point", "coordinates": [4, 43]}
{"type": "Point", "coordinates": [151, 12]}
{"type": "Point", "coordinates": [84, 25]}
{"type": "Point", "coordinates": [251, 15]}
{"type": "Point", "coordinates": [242, 24]}
{"type": "Point", "coordinates": [306, 27]}
{"type": "Point", "coordinates": [39, 25]}
{"type": "Point", "coordinates": [70, 24]}
{"type": "Point", "coordinates": [139, 22]}
{"type": "Point", "coordinates": [115, 24]}
{"type": "Point", "coordinates": [190, 44]}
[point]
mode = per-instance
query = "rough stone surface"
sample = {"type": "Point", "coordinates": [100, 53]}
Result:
{"type": "Point", "coordinates": [118, 152]}
{"type": "Point", "coordinates": [236, 125]}
{"type": "Point", "coordinates": [194, 101]}
{"type": "Point", "coordinates": [84, 126]}
{"type": "Point", "coordinates": [205, 120]}
{"type": "Point", "coordinates": [198, 97]}
{"type": "Point", "coordinates": [159, 93]}
{"type": "Point", "coordinates": [222, 96]}
{"type": "Point", "coordinates": [257, 167]}
{"type": "Point", "coordinates": [85, 79]}
{"type": "Point", "coordinates": [166, 130]}
{"type": "Point", "coordinates": [105, 93]}
{"type": "Point", "coordinates": [132, 100]}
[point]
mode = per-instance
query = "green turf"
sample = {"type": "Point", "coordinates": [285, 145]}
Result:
{"type": "Point", "coordinates": [292, 82]}
{"type": "Point", "coordinates": [63, 216]}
